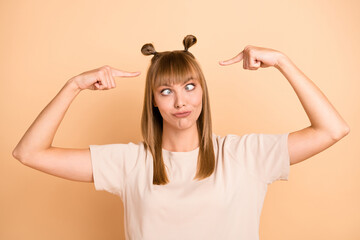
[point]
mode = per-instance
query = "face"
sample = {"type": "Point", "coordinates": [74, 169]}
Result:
{"type": "Point", "coordinates": [179, 98]}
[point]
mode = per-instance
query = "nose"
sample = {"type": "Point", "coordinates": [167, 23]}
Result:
{"type": "Point", "coordinates": [179, 101]}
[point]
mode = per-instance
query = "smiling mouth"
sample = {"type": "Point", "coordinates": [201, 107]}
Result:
{"type": "Point", "coordinates": [183, 114]}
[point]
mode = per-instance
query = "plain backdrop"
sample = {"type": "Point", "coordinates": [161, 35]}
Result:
{"type": "Point", "coordinates": [44, 43]}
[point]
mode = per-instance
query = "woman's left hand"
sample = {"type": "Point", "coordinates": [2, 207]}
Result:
{"type": "Point", "coordinates": [255, 57]}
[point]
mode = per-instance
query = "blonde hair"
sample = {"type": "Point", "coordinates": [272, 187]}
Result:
{"type": "Point", "coordinates": [175, 67]}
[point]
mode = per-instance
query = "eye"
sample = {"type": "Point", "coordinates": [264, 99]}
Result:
{"type": "Point", "coordinates": [163, 91]}
{"type": "Point", "coordinates": [192, 85]}
{"type": "Point", "coordinates": [166, 89]}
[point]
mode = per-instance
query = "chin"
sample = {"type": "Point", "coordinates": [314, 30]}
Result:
{"type": "Point", "coordinates": [182, 126]}
{"type": "Point", "coordinates": [186, 126]}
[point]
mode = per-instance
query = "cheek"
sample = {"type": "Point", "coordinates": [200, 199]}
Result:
{"type": "Point", "coordinates": [198, 99]}
{"type": "Point", "coordinates": [163, 105]}
{"type": "Point", "coordinates": [197, 102]}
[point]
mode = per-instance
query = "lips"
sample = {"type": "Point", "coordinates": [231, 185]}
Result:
{"type": "Point", "coordinates": [182, 114]}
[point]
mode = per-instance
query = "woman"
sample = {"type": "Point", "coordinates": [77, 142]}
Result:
{"type": "Point", "coordinates": [183, 181]}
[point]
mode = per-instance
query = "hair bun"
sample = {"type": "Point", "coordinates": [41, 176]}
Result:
{"type": "Point", "coordinates": [148, 49]}
{"type": "Point", "coordinates": [188, 41]}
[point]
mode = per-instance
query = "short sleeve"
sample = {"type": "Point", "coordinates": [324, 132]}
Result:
{"type": "Point", "coordinates": [265, 155]}
{"type": "Point", "coordinates": [111, 164]}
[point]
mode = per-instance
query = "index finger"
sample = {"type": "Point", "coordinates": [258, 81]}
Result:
{"type": "Point", "coordinates": [119, 73]}
{"type": "Point", "coordinates": [235, 59]}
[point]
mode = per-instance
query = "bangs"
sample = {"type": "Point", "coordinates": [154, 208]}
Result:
{"type": "Point", "coordinates": [174, 68]}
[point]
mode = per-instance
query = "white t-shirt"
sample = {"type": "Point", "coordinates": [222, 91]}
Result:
{"type": "Point", "coordinates": [226, 205]}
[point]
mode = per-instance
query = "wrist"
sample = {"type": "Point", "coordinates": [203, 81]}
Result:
{"type": "Point", "coordinates": [71, 84]}
{"type": "Point", "coordinates": [282, 60]}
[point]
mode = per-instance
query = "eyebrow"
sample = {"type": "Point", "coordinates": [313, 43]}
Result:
{"type": "Point", "coordinates": [189, 79]}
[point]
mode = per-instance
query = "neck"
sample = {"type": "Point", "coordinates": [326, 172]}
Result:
{"type": "Point", "coordinates": [176, 140]}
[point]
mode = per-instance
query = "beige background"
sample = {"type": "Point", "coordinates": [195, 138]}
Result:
{"type": "Point", "coordinates": [44, 43]}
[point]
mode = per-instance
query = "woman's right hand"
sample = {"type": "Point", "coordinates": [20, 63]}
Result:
{"type": "Point", "coordinates": [101, 78]}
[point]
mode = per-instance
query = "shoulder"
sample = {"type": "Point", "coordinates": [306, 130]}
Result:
{"type": "Point", "coordinates": [231, 138]}
{"type": "Point", "coordinates": [248, 136]}
{"type": "Point", "coordinates": [235, 142]}
{"type": "Point", "coordinates": [118, 148]}
{"type": "Point", "coordinates": [228, 143]}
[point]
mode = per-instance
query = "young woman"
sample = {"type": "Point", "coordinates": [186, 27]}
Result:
{"type": "Point", "coordinates": [183, 181]}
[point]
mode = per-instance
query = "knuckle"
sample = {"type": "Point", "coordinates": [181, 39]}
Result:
{"type": "Point", "coordinates": [102, 72]}
{"type": "Point", "coordinates": [251, 51]}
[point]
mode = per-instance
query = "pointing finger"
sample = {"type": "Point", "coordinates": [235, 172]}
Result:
{"type": "Point", "coordinates": [233, 60]}
{"type": "Point", "coordinates": [130, 74]}
{"type": "Point", "coordinates": [119, 73]}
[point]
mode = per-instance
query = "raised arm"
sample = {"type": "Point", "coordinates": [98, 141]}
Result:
{"type": "Point", "coordinates": [35, 147]}
{"type": "Point", "coordinates": [327, 126]}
